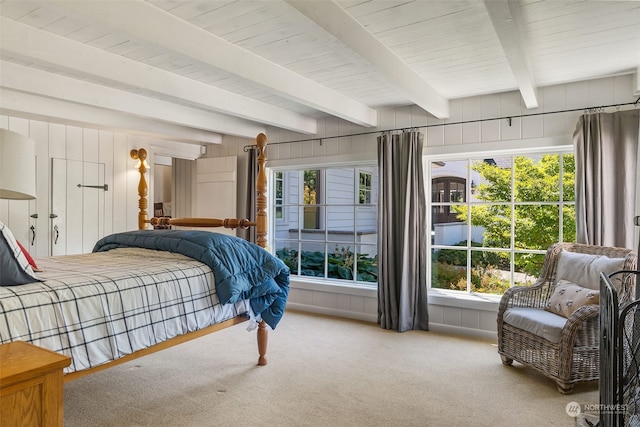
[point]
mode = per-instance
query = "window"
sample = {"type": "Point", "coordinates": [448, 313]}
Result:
{"type": "Point", "coordinates": [494, 233]}
{"type": "Point", "coordinates": [278, 195]}
{"type": "Point", "coordinates": [311, 198]}
{"type": "Point", "coordinates": [328, 234]}
{"type": "Point", "coordinates": [364, 196]}
{"type": "Point", "coordinates": [444, 190]}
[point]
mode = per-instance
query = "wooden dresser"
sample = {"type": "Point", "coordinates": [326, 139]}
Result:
{"type": "Point", "coordinates": [31, 392]}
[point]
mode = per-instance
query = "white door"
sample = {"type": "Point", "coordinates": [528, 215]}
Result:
{"type": "Point", "coordinates": [77, 206]}
{"type": "Point", "coordinates": [216, 187]}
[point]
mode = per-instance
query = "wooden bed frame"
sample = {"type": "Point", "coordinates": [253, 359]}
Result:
{"type": "Point", "coordinates": [261, 239]}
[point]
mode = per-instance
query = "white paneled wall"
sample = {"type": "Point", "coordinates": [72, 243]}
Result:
{"type": "Point", "coordinates": [60, 141]}
{"type": "Point", "coordinates": [466, 315]}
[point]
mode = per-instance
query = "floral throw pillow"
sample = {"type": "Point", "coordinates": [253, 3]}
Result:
{"type": "Point", "coordinates": [568, 297]}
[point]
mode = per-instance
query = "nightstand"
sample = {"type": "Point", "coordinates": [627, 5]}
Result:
{"type": "Point", "coordinates": [31, 385]}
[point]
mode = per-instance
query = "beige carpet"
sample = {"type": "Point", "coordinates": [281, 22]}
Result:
{"type": "Point", "coordinates": [322, 372]}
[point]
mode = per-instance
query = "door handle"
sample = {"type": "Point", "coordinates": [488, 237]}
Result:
{"type": "Point", "coordinates": [52, 216]}
{"type": "Point", "coordinates": [33, 234]}
{"type": "Point", "coordinates": [56, 234]}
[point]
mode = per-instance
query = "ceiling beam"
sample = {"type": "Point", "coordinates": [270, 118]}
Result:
{"type": "Point", "coordinates": [35, 107]}
{"type": "Point", "coordinates": [32, 80]}
{"type": "Point", "coordinates": [335, 20]}
{"type": "Point", "coordinates": [151, 24]}
{"type": "Point", "coordinates": [507, 21]}
{"type": "Point", "coordinates": [26, 42]}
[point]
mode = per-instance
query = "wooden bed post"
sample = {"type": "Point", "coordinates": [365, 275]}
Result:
{"type": "Point", "coordinates": [261, 232]}
{"type": "Point", "coordinates": [261, 188]}
{"type": "Point", "coordinates": [141, 156]}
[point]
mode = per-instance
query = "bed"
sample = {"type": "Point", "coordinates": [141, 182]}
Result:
{"type": "Point", "coordinates": [145, 290]}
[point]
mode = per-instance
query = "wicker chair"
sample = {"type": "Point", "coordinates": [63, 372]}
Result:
{"type": "Point", "coordinates": [575, 357]}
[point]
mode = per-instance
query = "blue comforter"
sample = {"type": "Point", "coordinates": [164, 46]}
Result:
{"type": "Point", "coordinates": [242, 270]}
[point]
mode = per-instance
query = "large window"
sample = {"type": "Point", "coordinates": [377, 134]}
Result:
{"type": "Point", "coordinates": [494, 232]}
{"type": "Point", "coordinates": [329, 229]}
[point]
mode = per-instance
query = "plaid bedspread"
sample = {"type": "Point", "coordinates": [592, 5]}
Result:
{"type": "Point", "coordinates": [99, 307]}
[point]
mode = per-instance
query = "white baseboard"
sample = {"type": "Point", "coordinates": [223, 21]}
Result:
{"type": "Point", "coordinates": [462, 331]}
{"type": "Point", "coordinates": [366, 317]}
{"type": "Point", "coordinates": [373, 318]}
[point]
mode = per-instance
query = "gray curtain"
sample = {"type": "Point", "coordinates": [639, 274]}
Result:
{"type": "Point", "coordinates": [606, 147]}
{"type": "Point", "coordinates": [250, 202]}
{"type": "Point", "coordinates": [402, 234]}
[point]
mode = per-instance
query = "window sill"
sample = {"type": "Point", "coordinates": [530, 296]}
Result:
{"type": "Point", "coordinates": [436, 296]}
{"type": "Point", "coordinates": [485, 302]}
{"type": "Point", "coordinates": [311, 284]}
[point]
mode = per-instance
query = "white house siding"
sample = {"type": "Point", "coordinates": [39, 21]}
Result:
{"type": "Point", "coordinates": [466, 314]}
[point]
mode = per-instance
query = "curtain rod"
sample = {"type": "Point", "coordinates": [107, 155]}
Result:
{"type": "Point", "coordinates": [587, 110]}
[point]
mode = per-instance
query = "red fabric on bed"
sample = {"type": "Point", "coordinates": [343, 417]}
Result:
{"type": "Point", "coordinates": [27, 256]}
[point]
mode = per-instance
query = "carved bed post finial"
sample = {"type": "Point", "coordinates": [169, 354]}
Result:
{"type": "Point", "coordinates": [141, 156]}
{"type": "Point", "coordinates": [261, 188]}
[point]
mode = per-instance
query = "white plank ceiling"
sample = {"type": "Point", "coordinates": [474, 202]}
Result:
{"type": "Point", "coordinates": [203, 68]}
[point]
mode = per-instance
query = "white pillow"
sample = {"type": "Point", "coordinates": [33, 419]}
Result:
{"type": "Point", "coordinates": [14, 265]}
{"type": "Point", "coordinates": [585, 269]}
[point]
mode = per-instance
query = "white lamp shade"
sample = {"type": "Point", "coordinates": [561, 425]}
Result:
{"type": "Point", "coordinates": [17, 166]}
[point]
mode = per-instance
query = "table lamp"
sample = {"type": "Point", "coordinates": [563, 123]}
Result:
{"type": "Point", "coordinates": [17, 166]}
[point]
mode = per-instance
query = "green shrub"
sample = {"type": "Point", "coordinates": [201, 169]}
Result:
{"type": "Point", "coordinates": [340, 264]}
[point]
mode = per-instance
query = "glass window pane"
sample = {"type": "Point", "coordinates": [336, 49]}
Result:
{"type": "Point", "coordinates": [367, 263]}
{"type": "Point", "coordinates": [494, 222]}
{"type": "Point", "coordinates": [288, 228]}
{"type": "Point", "coordinates": [341, 262]}
{"type": "Point", "coordinates": [341, 187]}
{"type": "Point", "coordinates": [569, 223]}
{"type": "Point", "coordinates": [278, 185]}
{"type": "Point", "coordinates": [494, 182]}
{"type": "Point", "coordinates": [447, 224]}
{"type": "Point", "coordinates": [312, 259]}
{"type": "Point", "coordinates": [490, 272]}
{"type": "Point", "coordinates": [313, 218]}
{"type": "Point", "coordinates": [364, 188]}
{"type": "Point", "coordinates": [367, 224]}
{"type": "Point", "coordinates": [527, 268]}
{"type": "Point", "coordinates": [568, 178]}
{"type": "Point", "coordinates": [449, 269]}
{"type": "Point", "coordinates": [311, 187]}
{"type": "Point", "coordinates": [288, 253]}
{"type": "Point", "coordinates": [536, 226]}
{"type": "Point", "coordinates": [341, 223]}
{"type": "Point", "coordinates": [537, 178]}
